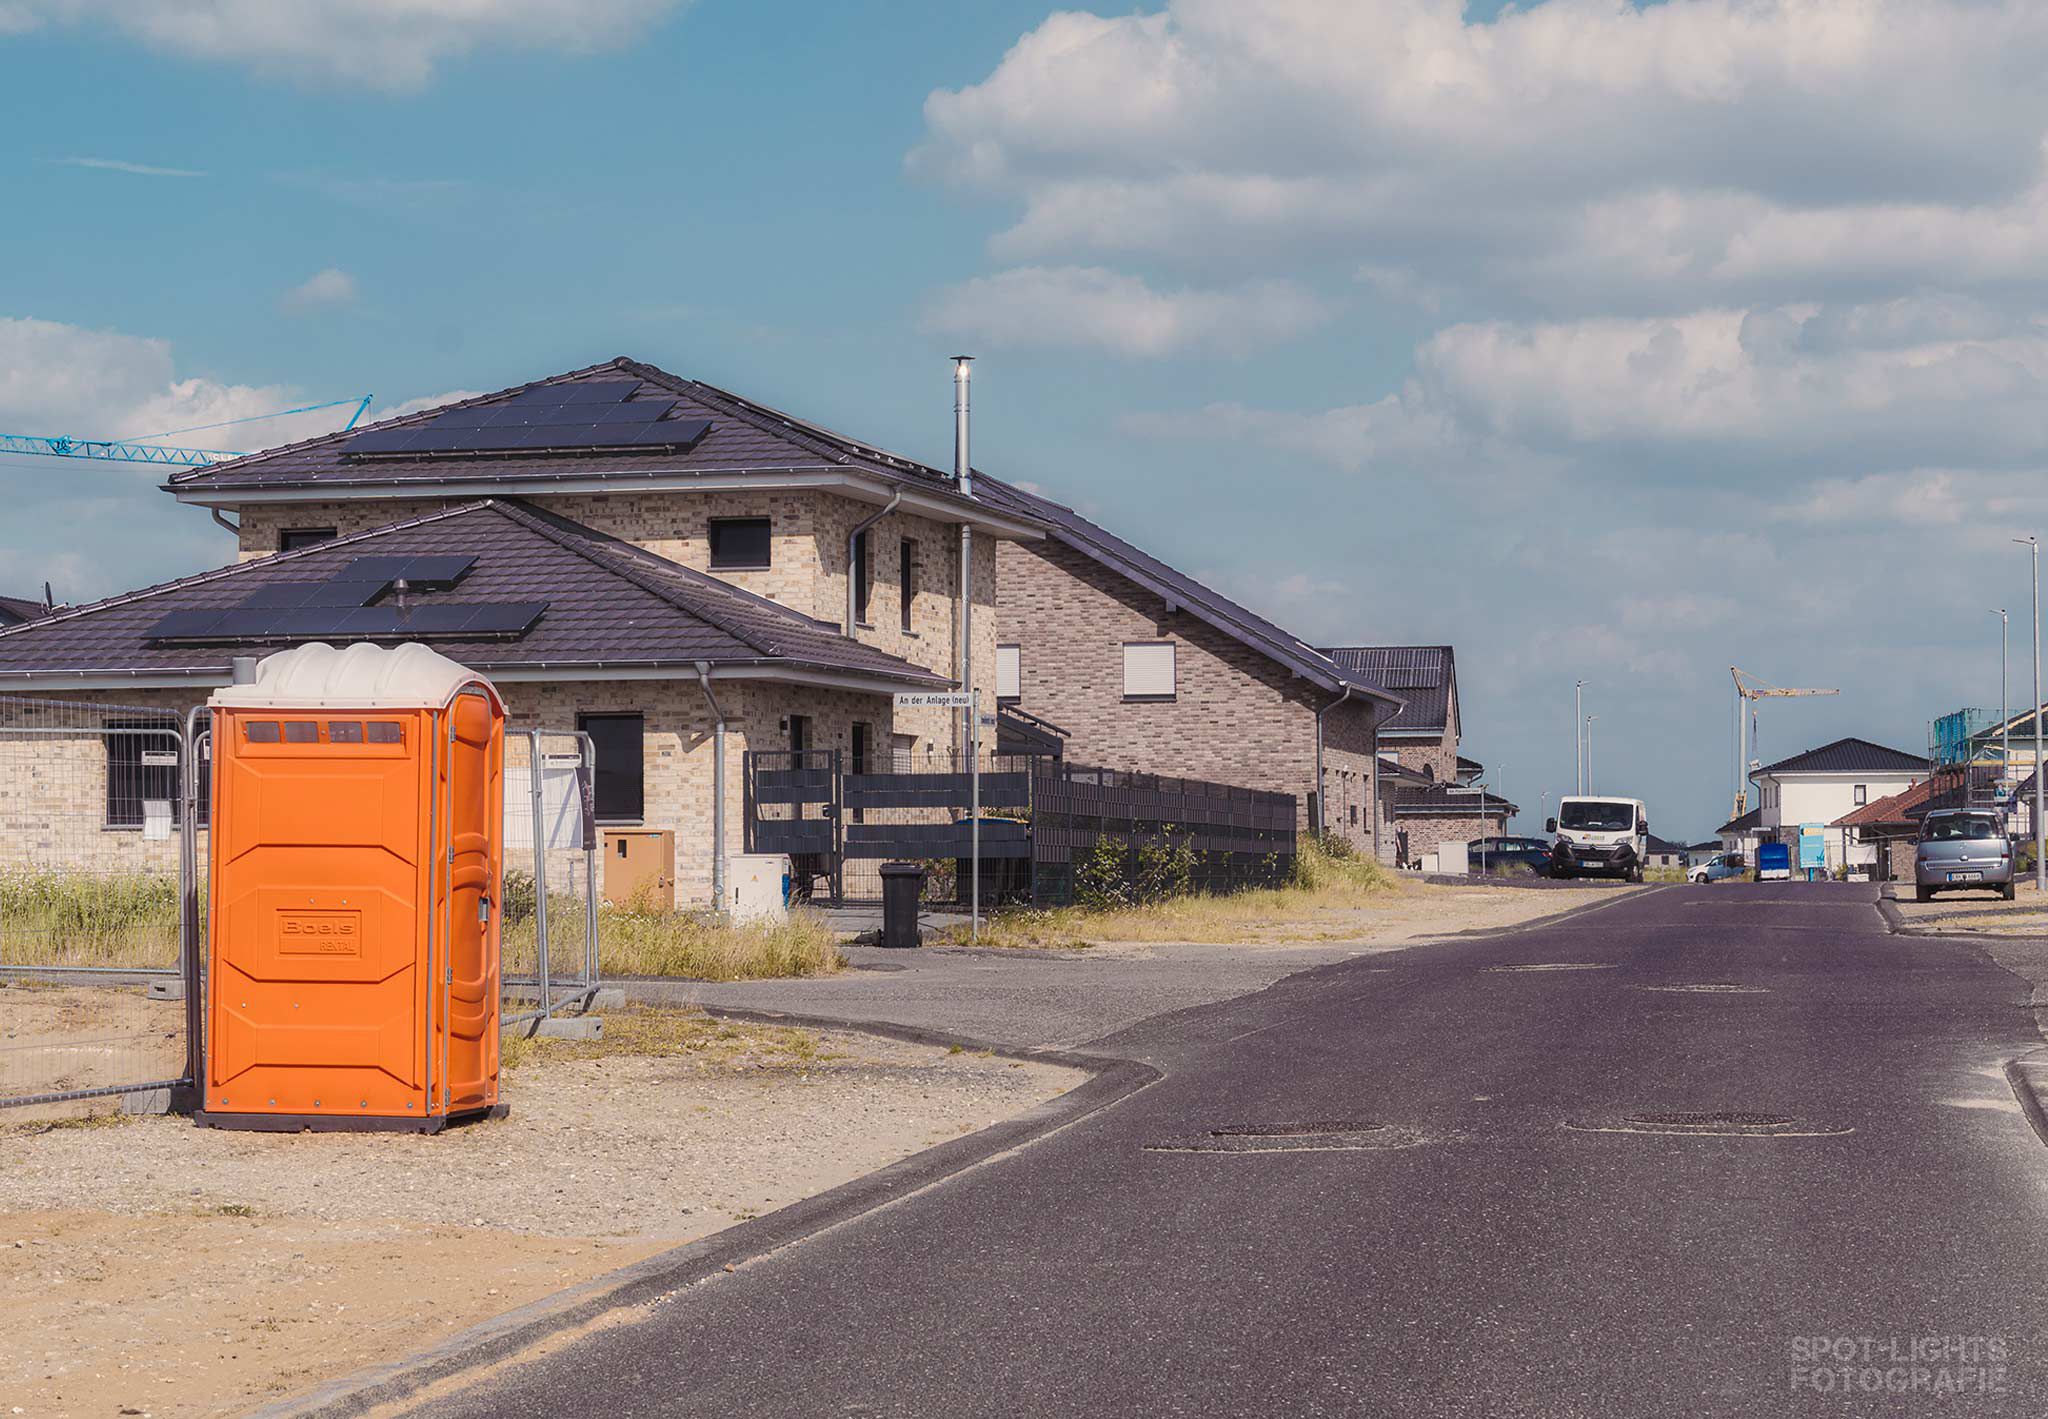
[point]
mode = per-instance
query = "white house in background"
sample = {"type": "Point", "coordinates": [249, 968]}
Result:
{"type": "Point", "coordinates": [1827, 783]}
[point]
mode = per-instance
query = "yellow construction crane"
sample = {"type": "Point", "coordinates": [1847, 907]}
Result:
{"type": "Point", "coordinates": [1748, 689]}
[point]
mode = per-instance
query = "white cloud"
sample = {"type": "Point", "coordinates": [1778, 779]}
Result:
{"type": "Point", "coordinates": [321, 290]}
{"type": "Point", "coordinates": [387, 44]}
{"type": "Point", "coordinates": [1699, 150]}
{"type": "Point", "coordinates": [133, 169]}
{"type": "Point", "coordinates": [1109, 310]}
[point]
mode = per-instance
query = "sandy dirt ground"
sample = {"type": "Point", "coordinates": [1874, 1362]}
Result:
{"type": "Point", "coordinates": [60, 1037]}
{"type": "Point", "coordinates": [1976, 913]}
{"type": "Point", "coordinates": [1415, 911]}
{"type": "Point", "coordinates": [148, 1267]}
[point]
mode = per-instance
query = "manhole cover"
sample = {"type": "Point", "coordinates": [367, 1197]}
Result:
{"type": "Point", "coordinates": [1715, 1123]}
{"type": "Point", "coordinates": [1556, 966]}
{"type": "Point", "coordinates": [1708, 988]}
{"type": "Point", "coordinates": [1313, 1136]}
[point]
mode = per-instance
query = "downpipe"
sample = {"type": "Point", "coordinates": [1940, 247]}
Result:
{"type": "Point", "coordinates": [717, 786]}
{"type": "Point", "coordinates": [852, 538]}
{"type": "Point", "coordinates": [1322, 796]}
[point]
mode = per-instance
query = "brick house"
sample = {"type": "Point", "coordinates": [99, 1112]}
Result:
{"type": "Point", "coordinates": [1143, 667]}
{"type": "Point", "coordinates": [1423, 740]}
{"type": "Point", "coordinates": [717, 543]}
{"type": "Point", "coordinates": [15, 609]}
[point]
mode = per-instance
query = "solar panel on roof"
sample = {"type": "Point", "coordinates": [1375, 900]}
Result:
{"type": "Point", "coordinates": [597, 414]}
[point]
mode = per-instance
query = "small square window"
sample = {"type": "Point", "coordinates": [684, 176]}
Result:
{"type": "Point", "coordinates": [740, 543]}
{"type": "Point", "coordinates": [293, 538]}
{"type": "Point", "coordinates": [301, 731]}
{"type": "Point", "coordinates": [260, 731]}
{"type": "Point", "coordinates": [385, 731]}
{"type": "Point", "coordinates": [344, 731]}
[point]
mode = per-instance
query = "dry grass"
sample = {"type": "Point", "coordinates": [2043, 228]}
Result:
{"type": "Point", "coordinates": [1325, 882]}
{"type": "Point", "coordinates": [654, 1032]}
{"type": "Point", "coordinates": [705, 947]}
{"type": "Point", "coordinates": [63, 918]}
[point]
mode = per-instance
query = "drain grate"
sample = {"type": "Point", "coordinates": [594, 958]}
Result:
{"type": "Point", "coordinates": [1312, 1136]}
{"type": "Point", "coordinates": [1713, 1123]}
{"type": "Point", "coordinates": [1708, 988]}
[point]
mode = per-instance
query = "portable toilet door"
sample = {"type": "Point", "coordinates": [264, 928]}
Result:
{"type": "Point", "coordinates": [353, 963]}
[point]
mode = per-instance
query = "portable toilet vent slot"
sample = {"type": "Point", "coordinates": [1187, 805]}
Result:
{"type": "Point", "coordinates": [353, 951]}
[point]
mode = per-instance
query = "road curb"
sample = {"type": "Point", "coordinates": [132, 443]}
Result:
{"type": "Point", "coordinates": [1894, 919]}
{"type": "Point", "coordinates": [2028, 1078]}
{"type": "Point", "coordinates": [504, 1337]}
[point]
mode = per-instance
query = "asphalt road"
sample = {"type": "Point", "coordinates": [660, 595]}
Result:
{"type": "Point", "coordinates": [1504, 1244]}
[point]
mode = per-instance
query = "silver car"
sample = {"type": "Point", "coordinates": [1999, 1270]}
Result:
{"type": "Point", "coordinates": [1962, 847]}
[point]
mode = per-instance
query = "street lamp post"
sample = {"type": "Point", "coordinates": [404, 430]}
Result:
{"type": "Point", "coordinates": [2004, 698]}
{"type": "Point", "coordinates": [1579, 739]}
{"type": "Point", "coordinates": [2040, 824]}
{"type": "Point", "coordinates": [1588, 788]}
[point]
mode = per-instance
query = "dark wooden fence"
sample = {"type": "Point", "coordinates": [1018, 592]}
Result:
{"type": "Point", "coordinates": [1233, 837]}
{"type": "Point", "coordinates": [1041, 820]}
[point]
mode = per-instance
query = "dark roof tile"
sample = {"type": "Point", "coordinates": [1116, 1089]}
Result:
{"type": "Point", "coordinates": [1425, 677]}
{"type": "Point", "coordinates": [608, 603]}
{"type": "Point", "coordinates": [1850, 756]}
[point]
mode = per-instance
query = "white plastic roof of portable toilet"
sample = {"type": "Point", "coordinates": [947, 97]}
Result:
{"type": "Point", "coordinates": [363, 676]}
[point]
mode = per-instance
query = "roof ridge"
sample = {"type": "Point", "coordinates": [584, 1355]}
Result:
{"type": "Point", "coordinates": [65, 613]}
{"type": "Point", "coordinates": [1234, 616]}
{"type": "Point", "coordinates": [179, 478]}
{"type": "Point", "coordinates": [766, 417]}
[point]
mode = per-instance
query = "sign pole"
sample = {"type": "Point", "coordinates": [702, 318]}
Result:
{"type": "Point", "coordinates": [974, 823]}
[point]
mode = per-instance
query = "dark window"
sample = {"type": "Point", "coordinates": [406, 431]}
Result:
{"type": "Point", "coordinates": [739, 543]}
{"type": "Point", "coordinates": [799, 733]}
{"type": "Point", "coordinates": [386, 731]}
{"type": "Point", "coordinates": [619, 783]}
{"type": "Point", "coordinates": [863, 579]}
{"type": "Point", "coordinates": [906, 575]}
{"type": "Point", "coordinates": [863, 753]}
{"type": "Point", "coordinates": [293, 538]}
{"type": "Point", "coordinates": [344, 731]}
{"type": "Point", "coordinates": [142, 768]}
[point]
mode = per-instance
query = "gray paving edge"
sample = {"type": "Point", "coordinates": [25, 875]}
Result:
{"type": "Point", "coordinates": [2028, 1076]}
{"type": "Point", "coordinates": [501, 1337]}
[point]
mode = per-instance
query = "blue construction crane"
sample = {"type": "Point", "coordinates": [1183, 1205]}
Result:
{"type": "Point", "coordinates": [143, 451]}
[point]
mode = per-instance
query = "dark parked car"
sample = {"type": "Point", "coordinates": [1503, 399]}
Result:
{"type": "Point", "coordinates": [1506, 855]}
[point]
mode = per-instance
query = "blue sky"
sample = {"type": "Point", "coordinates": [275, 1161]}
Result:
{"type": "Point", "coordinates": [1613, 344]}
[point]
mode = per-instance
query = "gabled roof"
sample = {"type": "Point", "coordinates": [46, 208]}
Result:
{"type": "Point", "coordinates": [1894, 808]}
{"type": "Point", "coordinates": [745, 439]}
{"type": "Point", "coordinates": [1849, 756]}
{"type": "Point", "coordinates": [1425, 677]}
{"type": "Point", "coordinates": [1748, 822]}
{"type": "Point", "coordinates": [610, 607]}
{"type": "Point", "coordinates": [1245, 626]}
{"type": "Point", "coordinates": [1442, 799]}
{"type": "Point", "coordinates": [16, 609]}
{"type": "Point", "coordinates": [1663, 845]}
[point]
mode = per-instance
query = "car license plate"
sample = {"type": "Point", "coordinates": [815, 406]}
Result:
{"type": "Point", "coordinates": [1965, 876]}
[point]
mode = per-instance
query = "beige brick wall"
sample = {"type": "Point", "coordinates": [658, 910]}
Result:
{"type": "Point", "coordinates": [1425, 833]}
{"type": "Point", "coordinates": [52, 796]}
{"type": "Point", "coordinates": [808, 562]}
{"type": "Point", "coordinates": [1236, 716]}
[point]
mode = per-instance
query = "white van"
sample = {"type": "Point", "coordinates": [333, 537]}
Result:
{"type": "Point", "coordinates": [1599, 837]}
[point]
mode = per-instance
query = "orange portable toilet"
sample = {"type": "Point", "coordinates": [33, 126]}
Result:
{"type": "Point", "coordinates": [357, 838]}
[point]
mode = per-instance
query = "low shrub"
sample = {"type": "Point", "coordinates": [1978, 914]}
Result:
{"type": "Point", "coordinates": [51, 916]}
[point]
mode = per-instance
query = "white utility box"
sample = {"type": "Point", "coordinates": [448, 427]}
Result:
{"type": "Point", "coordinates": [1451, 858]}
{"type": "Point", "coordinates": [757, 886]}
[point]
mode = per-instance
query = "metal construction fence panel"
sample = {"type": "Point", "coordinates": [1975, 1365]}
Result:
{"type": "Point", "coordinates": [100, 814]}
{"type": "Point", "coordinates": [791, 805]}
{"type": "Point", "coordinates": [550, 897]}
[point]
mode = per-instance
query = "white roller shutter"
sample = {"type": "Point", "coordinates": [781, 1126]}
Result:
{"type": "Point", "coordinates": [1009, 671]}
{"type": "Point", "coordinates": [1148, 669]}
